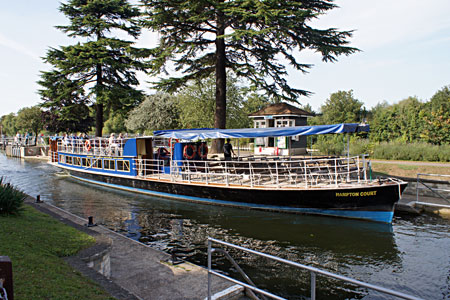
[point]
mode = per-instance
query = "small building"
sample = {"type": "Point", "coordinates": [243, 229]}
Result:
{"type": "Point", "coordinates": [280, 115]}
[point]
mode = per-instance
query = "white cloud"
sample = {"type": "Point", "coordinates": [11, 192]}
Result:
{"type": "Point", "coordinates": [9, 43]}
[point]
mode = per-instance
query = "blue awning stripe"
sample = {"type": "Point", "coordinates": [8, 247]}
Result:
{"type": "Point", "coordinates": [213, 133]}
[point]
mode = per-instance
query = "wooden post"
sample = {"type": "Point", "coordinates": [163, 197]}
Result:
{"type": "Point", "coordinates": [6, 276]}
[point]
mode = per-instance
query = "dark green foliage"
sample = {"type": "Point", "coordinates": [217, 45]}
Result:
{"type": "Point", "coordinates": [11, 199]}
{"type": "Point", "coordinates": [8, 123]}
{"type": "Point", "coordinates": [437, 118]}
{"type": "Point", "coordinates": [257, 33]}
{"type": "Point", "coordinates": [342, 107]}
{"type": "Point", "coordinates": [401, 121]}
{"type": "Point", "coordinates": [99, 73]}
{"type": "Point", "coordinates": [30, 119]}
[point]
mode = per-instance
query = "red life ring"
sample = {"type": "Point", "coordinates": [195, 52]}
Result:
{"type": "Point", "coordinates": [87, 145]}
{"type": "Point", "coordinates": [172, 143]}
{"type": "Point", "coordinates": [189, 151]}
{"type": "Point", "coordinates": [202, 151]}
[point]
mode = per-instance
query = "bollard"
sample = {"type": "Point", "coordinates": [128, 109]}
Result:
{"type": "Point", "coordinates": [38, 199]}
{"type": "Point", "coordinates": [6, 277]}
{"type": "Point", "coordinates": [91, 222]}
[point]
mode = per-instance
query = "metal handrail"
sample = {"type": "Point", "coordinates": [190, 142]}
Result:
{"type": "Point", "coordinates": [433, 190]}
{"type": "Point", "coordinates": [314, 271]}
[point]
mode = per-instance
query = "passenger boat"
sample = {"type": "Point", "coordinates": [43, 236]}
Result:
{"type": "Point", "coordinates": [175, 164]}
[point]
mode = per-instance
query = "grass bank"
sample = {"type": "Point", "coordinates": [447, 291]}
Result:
{"type": "Point", "coordinates": [409, 169]}
{"type": "Point", "coordinates": [36, 244]}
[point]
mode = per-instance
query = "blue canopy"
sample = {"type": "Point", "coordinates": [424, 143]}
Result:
{"type": "Point", "coordinates": [213, 133]}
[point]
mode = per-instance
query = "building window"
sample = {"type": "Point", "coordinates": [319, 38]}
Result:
{"type": "Point", "coordinates": [260, 124]}
{"type": "Point", "coordinates": [285, 123]}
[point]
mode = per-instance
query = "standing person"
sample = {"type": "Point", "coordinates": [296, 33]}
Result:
{"type": "Point", "coordinates": [227, 150]}
{"type": "Point", "coordinates": [17, 138]}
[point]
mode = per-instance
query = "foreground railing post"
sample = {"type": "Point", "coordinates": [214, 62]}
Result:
{"type": "Point", "coordinates": [357, 163]}
{"type": "Point", "coordinates": [226, 174]}
{"type": "Point", "coordinates": [313, 286]}
{"type": "Point", "coordinates": [6, 277]}
{"type": "Point", "coordinates": [417, 187]}
{"type": "Point", "coordinates": [335, 172]}
{"type": "Point", "coordinates": [209, 269]}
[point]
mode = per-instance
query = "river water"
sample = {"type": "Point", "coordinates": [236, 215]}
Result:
{"type": "Point", "coordinates": [411, 256]}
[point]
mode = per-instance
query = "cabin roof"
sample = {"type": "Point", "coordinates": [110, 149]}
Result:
{"type": "Point", "coordinates": [281, 109]}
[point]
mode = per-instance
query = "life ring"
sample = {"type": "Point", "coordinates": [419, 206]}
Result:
{"type": "Point", "coordinates": [172, 143]}
{"type": "Point", "coordinates": [87, 145]}
{"type": "Point", "coordinates": [202, 151]}
{"type": "Point", "coordinates": [163, 153]}
{"type": "Point", "coordinates": [189, 151]}
{"type": "Point", "coordinates": [277, 151]}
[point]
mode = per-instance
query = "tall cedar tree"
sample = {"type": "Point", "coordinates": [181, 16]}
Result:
{"type": "Point", "coordinates": [100, 71]}
{"type": "Point", "coordinates": [248, 36]}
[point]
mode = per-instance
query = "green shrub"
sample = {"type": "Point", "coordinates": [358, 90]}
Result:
{"type": "Point", "coordinates": [360, 146]}
{"type": "Point", "coordinates": [330, 145]}
{"type": "Point", "coordinates": [411, 151]}
{"type": "Point", "coordinates": [11, 199]}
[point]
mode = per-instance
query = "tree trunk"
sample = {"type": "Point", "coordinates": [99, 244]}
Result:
{"type": "Point", "coordinates": [220, 115]}
{"type": "Point", "coordinates": [99, 105]}
{"type": "Point", "coordinates": [99, 119]}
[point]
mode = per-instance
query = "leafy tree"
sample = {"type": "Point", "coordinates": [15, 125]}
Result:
{"type": "Point", "coordinates": [400, 121]}
{"type": "Point", "coordinates": [102, 70]}
{"type": "Point", "coordinates": [437, 118]}
{"type": "Point", "coordinates": [247, 36]}
{"type": "Point", "coordinates": [115, 123]}
{"type": "Point", "coordinates": [8, 123]}
{"type": "Point", "coordinates": [65, 104]}
{"type": "Point", "coordinates": [156, 112]}
{"type": "Point", "coordinates": [342, 107]}
{"type": "Point", "coordinates": [196, 104]}
{"type": "Point", "coordinates": [29, 119]}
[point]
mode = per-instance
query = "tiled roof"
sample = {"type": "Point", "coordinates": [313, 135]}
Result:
{"type": "Point", "coordinates": [280, 109]}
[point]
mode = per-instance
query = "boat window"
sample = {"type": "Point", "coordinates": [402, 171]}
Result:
{"type": "Point", "coordinates": [77, 161]}
{"type": "Point", "coordinates": [62, 159]}
{"type": "Point", "coordinates": [108, 164]}
{"type": "Point", "coordinates": [123, 165]}
{"type": "Point", "coordinates": [85, 162]}
{"type": "Point", "coordinates": [97, 163]}
{"type": "Point", "coordinates": [69, 160]}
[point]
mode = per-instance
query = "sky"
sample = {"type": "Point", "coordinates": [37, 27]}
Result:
{"type": "Point", "coordinates": [405, 51]}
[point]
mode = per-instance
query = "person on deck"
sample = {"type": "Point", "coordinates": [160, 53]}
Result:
{"type": "Point", "coordinates": [113, 144]}
{"type": "Point", "coordinates": [228, 150]}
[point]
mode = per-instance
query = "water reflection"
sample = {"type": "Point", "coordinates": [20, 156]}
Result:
{"type": "Point", "coordinates": [382, 254]}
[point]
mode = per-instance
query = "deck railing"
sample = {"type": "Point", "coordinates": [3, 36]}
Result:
{"type": "Point", "coordinates": [274, 172]}
{"type": "Point", "coordinates": [95, 146]}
